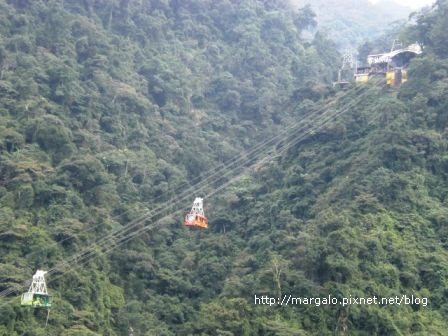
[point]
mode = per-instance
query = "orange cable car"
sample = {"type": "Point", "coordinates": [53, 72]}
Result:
{"type": "Point", "coordinates": [196, 218]}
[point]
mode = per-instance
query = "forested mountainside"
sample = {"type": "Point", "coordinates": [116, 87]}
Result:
{"type": "Point", "coordinates": [111, 108]}
{"type": "Point", "coordinates": [352, 22]}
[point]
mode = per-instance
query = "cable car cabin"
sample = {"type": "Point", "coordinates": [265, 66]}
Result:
{"type": "Point", "coordinates": [36, 300]}
{"type": "Point", "coordinates": [196, 218]}
{"type": "Point", "coordinates": [196, 221]}
{"type": "Point", "coordinates": [395, 77]}
{"type": "Point", "coordinates": [37, 295]}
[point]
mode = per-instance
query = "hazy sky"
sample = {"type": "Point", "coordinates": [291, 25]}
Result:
{"type": "Point", "coordinates": [412, 3]}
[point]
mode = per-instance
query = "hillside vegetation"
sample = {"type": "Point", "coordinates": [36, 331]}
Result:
{"type": "Point", "coordinates": [352, 22]}
{"type": "Point", "coordinates": [109, 108]}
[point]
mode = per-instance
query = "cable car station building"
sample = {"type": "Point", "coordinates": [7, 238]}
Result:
{"type": "Point", "coordinates": [392, 65]}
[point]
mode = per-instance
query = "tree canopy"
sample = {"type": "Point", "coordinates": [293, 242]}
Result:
{"type": "Point", "coordinates": [109, 109]}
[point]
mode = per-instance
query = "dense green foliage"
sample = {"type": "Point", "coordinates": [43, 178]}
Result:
{"type": "Point", "coordinates": [108, 108]}
{"type": "Point", "coordinates": [352, 22]}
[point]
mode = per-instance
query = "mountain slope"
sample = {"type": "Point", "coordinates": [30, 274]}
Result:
{"type": "Point", "coordinates": [350, 23]}
{"type": "Point", "coordinates": [111, 108]}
